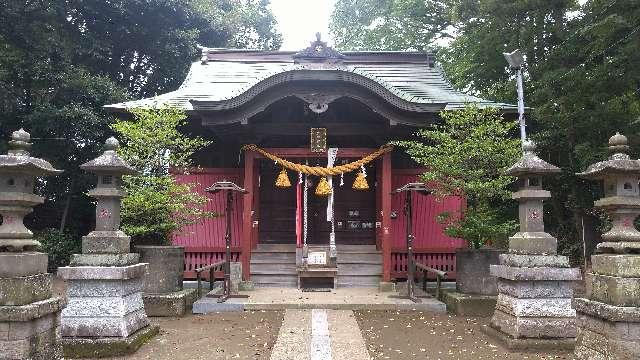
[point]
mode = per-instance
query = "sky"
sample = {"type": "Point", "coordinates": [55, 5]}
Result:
{"type": "Point", "coordinates": [299, 20]}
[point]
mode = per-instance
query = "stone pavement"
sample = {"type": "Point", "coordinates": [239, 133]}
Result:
{"type": "Point", "coordinates": [360, 298]}
{"type": "Point", "coordinates": [319, 334]}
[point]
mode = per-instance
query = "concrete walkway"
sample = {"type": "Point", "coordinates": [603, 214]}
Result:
{"type": "Point", "coordinates": [319, 334]}
{"type": "Point", "coordinates": [360, 298]}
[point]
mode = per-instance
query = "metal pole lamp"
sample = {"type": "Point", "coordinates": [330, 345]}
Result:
{"type": "Point", "coordinates": [516, 61]}
{"type": "Point", "coordinates": [409, 189]}
{"type": "Point", "coordinates": [230, 188]}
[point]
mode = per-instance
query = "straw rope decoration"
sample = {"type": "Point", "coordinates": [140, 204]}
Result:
{"type": "Point", "coordinates": [319, 170]}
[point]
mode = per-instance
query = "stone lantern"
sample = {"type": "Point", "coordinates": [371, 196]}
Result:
{"type": "Point", "coordinates": [29, 315]}
{"type": "Point", "coordinates": [105, 314]}
{"type": "Point", "coordinates": [533, 308]}
{"type": "Point", "coordinates": [609, 316]}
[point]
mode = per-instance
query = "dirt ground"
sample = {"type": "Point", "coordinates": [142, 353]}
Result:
{"type": "Point", "coordinates": [246, 335]}
{"type": "Point", "coordinates": [416, 335]}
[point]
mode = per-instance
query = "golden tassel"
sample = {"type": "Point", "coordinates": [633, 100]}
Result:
{"type": "Point", "coordinates": [360, 183]}
{"type": "Point", "coordinates": [323, 188]}
{"type": "Point", "coordinates": [283, 179]}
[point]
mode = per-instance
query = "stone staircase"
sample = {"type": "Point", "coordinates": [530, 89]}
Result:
{"type": "Point", "coordinates": [274, 265]}
{"type": "Point", "coordinates": [359, 265]}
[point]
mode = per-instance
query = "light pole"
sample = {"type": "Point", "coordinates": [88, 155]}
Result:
{"type": "Point", "coordinates": [516, 60]}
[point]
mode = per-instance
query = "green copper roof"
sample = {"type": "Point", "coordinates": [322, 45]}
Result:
{"type": "Point", "coordinates": [229, 78]}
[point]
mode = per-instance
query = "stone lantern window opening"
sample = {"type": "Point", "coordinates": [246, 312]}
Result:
{"type": "Point", "coordinates": [533, 182]}
{"type": "Point", "coordinates": [107, 179]}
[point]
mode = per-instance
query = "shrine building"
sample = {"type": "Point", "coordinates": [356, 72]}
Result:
{"type": "Point", "coordinates": [354, 101]}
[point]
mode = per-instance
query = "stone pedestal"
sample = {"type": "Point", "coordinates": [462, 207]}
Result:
{"type": "Point", "coordinates": [609, 316]}
{"type": "Point", "coordinates": [105, 314]}
{"type": "Point", "coordinates": [535, 289]}
{"type": "Point", "coordinates": [164, 294]}
{"type": "Point", "coordinates": [476, 289]}
{"type": "Point", "coordinates": [29, 315]}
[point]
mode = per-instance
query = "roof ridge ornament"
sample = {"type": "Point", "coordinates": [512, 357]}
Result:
{"type": "Point", "coordinates": [319, 51]}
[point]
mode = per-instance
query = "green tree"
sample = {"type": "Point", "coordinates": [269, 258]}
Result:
{"type": "Point", "coordinates": [389, 24]}
{"type": "Point", "coordinates": [581, 81]}
{"type": "Point", "coordinates": [61, 61]}
{"type": "Point", "coordinates": [467, 155]}
{"type": "Point", "coordinates": [156, 205]}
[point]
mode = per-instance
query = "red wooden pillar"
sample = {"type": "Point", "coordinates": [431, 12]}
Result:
{"type": "Point", "coordinates": [386, 216]}
{"type": "Point", "coordinates": [247, 207]}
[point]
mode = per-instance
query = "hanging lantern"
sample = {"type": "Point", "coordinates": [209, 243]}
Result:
{"type": "Point", "coordinates": [323, 188]}
{"type": "Point", "coordinates": [283, 179]}
{"type": "Point", "coordinates": [360, 183]}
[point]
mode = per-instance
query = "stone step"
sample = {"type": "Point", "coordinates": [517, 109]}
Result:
{"type": "Point", "coordinates": [274, 257]}
{"type": "Point", "coordinates": [359, 258]}
{"type": "Point", "coordinates": [283, 280]}
{"type": "Point", "coordinates": [357, 249]}
{"type": "Point", "coordinates": [267, 268]}
{"type": "Point", "coordinates": [359, 269]}
{"type": "Point", "coordinates": [276, 248]}
{"type": "Point", "coordinates": [355, 281]}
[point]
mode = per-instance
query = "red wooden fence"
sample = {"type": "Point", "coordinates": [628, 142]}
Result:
{"type": "Point", "coordinates": [204, 241]}
{"type": "Point", "coordinates": [431, 246]}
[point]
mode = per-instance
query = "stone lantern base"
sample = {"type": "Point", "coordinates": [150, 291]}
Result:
{"type": "Point", "coordinates": [609, 318]}
{"type": "Point", "coordinates": [534, 309]}
{"type": "Point", "coordinates": [29, 316]}
{"type": "Point", "coordinates": [105, 313]}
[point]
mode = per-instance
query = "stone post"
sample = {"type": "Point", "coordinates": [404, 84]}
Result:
{"type": "Point", "coordinates": [105, 314]}
{"type": "Point", "coordinates": [609, 316]}
{"type": "Point", "coordinates": [535, 289]}
{"type": "Point", "coordinates": [29, 315]}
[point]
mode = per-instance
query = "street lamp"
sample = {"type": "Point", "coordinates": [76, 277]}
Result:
{"type": "Point", "coordinates": [516, 60]}
{"type": "Point", "coordinates": [230, 188]}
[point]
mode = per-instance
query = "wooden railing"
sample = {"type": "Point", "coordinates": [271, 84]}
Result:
{"type": "Point", "coordinates": [219, 266]}
{"type": "Point", "coordinates": [436, 258]}
{"type": "Point", "coordinates": [422, 272]}
{"type": "Point", "coordinates": [196, 257]}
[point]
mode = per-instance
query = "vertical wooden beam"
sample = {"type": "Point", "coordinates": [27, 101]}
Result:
{"type": "Point", "coordinates": [256, 206]}
{"type": "Point", "coordinates": [379, 204]}
{"type": "Point", "coordinates": [247, 208]}
{"type": "Point", "coordinates": [386, 217]}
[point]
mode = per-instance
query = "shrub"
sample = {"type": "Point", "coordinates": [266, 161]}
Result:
{"type": "Point", "coordinates": [59, 246]}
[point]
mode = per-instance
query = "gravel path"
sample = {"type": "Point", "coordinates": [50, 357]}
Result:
{"type": "Point", "coordinates": [417, 335]}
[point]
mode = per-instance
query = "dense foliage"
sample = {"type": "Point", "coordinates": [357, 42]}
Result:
{"type": "Point", "coordinates": [467, 155]}
{"type": "Point", "coordinates": [157, 205]}
{"type": "Point", "coordinates": [61, 61]}
{"type": "Point", "coordinates": [581, 79]}
{"type": "Point", "coordinates": [59, 246]}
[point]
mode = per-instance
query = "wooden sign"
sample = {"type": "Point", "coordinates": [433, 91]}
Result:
{"type": "Point", "coordinates": [318, 139]}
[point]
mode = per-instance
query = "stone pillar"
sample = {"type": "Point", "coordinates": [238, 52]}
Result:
{"type": "Point", "coordinates": [535, 289]}
{"type": "Point", "coordinates": [609, 317]}
{"type": "Point", "coordinates": [29, 315]}
{"type": "Point", "coordinates": [105, 314]}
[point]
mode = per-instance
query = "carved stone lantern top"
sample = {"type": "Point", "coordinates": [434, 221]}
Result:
{"type": "Point", "coordinates": [621, 200]}
{"type": "Point", "coordinates": [530, 163]}
{"type": "Point", "coordinates": [109, 162]}
{"type": "Point", "coordinates": [18, 159]}
{"type": "Point", "coordinates": [618, 162]}
{"type": "Point", "coordinates": [17, 172]}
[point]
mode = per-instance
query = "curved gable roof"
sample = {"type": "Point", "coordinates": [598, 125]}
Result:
{"type": "Point", "coordinates": [226, 79]}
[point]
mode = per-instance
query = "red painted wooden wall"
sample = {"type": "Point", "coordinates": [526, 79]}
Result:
{"type": "Point", "coordinates": [431, 246]}
{"type": "Point", "coordinates": [204, 241]}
